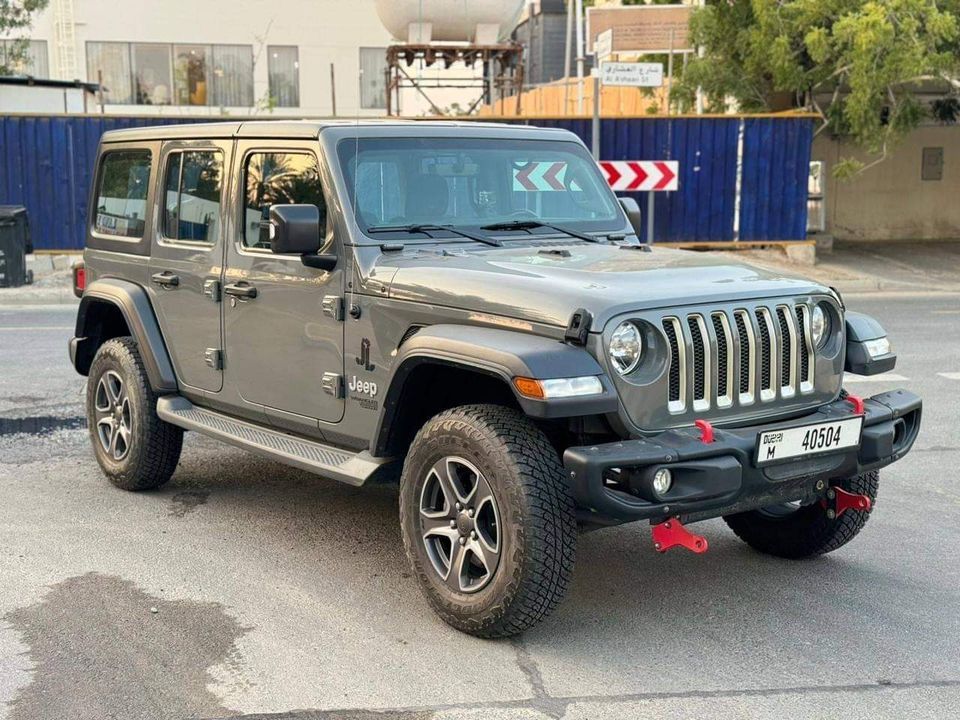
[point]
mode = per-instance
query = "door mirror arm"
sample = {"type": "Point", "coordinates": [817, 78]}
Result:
{"type": "Point", "coordinates": [320, 261]}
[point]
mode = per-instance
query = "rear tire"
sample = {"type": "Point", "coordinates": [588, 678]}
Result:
{"type": "Point", "coordinates": [807, 531]}
{"type": "Point", "coordinates": [501, 560]}
{"type": "Point", "coordinates": [135, 449]}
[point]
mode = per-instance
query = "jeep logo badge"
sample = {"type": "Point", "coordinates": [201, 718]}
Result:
{"type": "Point", "coordinates": [363, 387]}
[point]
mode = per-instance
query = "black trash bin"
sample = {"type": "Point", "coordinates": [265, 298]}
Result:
{"type": "Point", "coordinates": [15, 243]}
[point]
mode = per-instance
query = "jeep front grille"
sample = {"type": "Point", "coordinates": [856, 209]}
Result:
{"type": "Point", "coordinates": [726, 358]}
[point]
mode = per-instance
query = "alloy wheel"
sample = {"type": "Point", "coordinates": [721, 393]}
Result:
{"type": "Point", "coordinates": [460, 524]}
{"type": "Point", "coordinates": [114, 419]}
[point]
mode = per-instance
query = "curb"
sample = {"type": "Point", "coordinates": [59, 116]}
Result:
{"type": "Point", "coordinates": [17, 298]}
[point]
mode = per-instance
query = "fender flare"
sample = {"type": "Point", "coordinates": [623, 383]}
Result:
{"type": "Point", "coordinates": [134, 304]}
{"type": "Point", "coordinates": [504, 354]}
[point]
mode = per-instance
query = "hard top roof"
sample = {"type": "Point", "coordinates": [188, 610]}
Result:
{"type": "Point", "coordinates": [286, 128]}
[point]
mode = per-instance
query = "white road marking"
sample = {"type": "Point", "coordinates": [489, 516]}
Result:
{"type": "Point", "coordinates": [882, 377]}
{"type": "Point", "coordinates": [950, 375]}
{"type": "Point", "coordinates": [39, 327]}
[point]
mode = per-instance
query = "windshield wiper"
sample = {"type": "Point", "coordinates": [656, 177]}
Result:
{"type": "Point", "coordinates": [426, 229]}
{"type": "Point", "coordinates": [530, 224]}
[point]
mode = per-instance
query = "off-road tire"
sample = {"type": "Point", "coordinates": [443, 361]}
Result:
{"type": "Point", "coordinates": [537, 520]}
{"type": "Point", "coordinates": [807, 532]}
{"type": "Point", "coordinates": [154, 447]}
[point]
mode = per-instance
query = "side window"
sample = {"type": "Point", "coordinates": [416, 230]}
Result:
{"type": "Point", "coordinates": [122, 195]}
{"type": "Point", "coordinates": [278, 178]}
{"type": "Point", "coordinates": [194, 181]}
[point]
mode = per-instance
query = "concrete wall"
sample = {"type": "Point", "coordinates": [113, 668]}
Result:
{"type": "Point", "coordinates": [890, 201]}
{"type": "Point", "coordinates": [324, 31]}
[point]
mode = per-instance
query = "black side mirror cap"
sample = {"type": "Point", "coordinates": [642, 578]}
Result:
{"type": "Point", "coordinates": [632, 209]}
{"type": "Point", "coordinates": [294, 229]}
{"type": "Point", "coordinates": [868, 352]}
{"type": "Point", "coordinates": [325, 261]}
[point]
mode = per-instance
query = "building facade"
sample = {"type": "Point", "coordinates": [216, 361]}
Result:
{"type": "Point", "coordinates": [212, 57]}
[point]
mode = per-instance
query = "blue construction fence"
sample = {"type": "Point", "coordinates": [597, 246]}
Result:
{"type": "Point", "coordinates": [46, 164]}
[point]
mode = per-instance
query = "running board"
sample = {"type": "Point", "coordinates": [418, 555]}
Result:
{"type": "Point", "coordinates": [331, 462]}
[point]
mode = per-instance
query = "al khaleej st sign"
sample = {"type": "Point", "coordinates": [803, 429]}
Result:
{"type": "Point", "coordinates": [642, 28]}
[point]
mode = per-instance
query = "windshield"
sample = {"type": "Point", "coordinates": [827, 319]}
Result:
{"type": "Point", "coordinates": [475, 182]}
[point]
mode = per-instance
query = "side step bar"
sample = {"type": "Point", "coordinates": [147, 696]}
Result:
{"type": "Point", "coordinates": [331, 462]}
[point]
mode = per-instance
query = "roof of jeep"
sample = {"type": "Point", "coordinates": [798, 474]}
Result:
{"type": "Point", "coordinates": [292, 128]}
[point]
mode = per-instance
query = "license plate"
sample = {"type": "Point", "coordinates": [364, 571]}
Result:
{"type": "Point", "coordinates": [773, 445]}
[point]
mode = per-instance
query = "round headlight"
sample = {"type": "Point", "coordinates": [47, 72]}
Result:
{"type": "Point", "coordinates": [625, 347]}
{"type": "Point", "coordinates": [820, 325]}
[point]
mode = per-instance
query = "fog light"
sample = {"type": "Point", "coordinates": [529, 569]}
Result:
{"type": "Point", "coordinates": [662, 481]}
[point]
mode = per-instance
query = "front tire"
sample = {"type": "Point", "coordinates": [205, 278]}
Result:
{"type": "Point", "coordinates": [805, 531]}
{"type": "Point", "coordinates": [487, 520]}
{"type": "Point", "coordinates": [135, 449]}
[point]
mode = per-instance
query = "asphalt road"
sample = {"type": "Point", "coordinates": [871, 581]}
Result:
{"type": "Point", "coordinates": [247, 588]}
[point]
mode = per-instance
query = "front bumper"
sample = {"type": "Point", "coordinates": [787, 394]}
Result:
{"type": "Point", "coordinates": [722, 477]}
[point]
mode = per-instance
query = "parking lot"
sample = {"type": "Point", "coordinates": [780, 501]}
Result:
{"type": "Point", "coordinates": [246, 588]}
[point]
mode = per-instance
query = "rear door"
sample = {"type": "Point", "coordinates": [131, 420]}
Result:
{"type": "Point", "coordinates": [186, 265]}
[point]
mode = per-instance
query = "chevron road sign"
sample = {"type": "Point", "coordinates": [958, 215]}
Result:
{"type": "Point", "coordinates": [641, 175]}
{"type": "Point", "coordinates": [539, 176]}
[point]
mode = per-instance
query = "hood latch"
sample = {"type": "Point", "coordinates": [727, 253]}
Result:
{"type": "Point", "coordinates": [578, 329]}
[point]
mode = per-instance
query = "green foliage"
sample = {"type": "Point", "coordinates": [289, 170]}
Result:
{"type": "Point", "coordinates": [856, 62]}
{"type": "Point", "coordinates": [15, 17]}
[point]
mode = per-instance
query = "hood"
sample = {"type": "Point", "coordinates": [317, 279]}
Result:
{"type": "Point", "coordinates": [532, 284]}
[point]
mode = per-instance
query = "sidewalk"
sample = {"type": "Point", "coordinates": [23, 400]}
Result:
{"type": "Point", "coordinates": [872, 267]}
{"type": "Point", "coordinates": [852, 267]}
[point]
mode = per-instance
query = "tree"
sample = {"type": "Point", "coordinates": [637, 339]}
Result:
{"type": "Point", "coordinates": [14, 18]}
{"type": "Point", "coordinates": [857, 63]}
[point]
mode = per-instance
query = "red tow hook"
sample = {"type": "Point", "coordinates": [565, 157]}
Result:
{"type": "Point", "coordinates": [672, 532]}
{"type": "Point", "coordinates": [843, 501]}
{"type": "Point", "coordinates": [857, 403]}
{"type": "Point", "coordinates": [706, 431]}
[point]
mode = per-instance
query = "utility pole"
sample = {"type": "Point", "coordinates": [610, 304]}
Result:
{"type": "Point", "coordinates": [567, 52]}
{"type": "Point", "coordinates": [579, 21]}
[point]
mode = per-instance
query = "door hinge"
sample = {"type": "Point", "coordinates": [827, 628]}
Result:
{"type": "Point", "coordinates": [214, 358]}
{"type": "Point", "coordinates": [211, 289]}
{"type": "Point", "coordinates": [333, 307]}
{"type": "Point", "coordinates": [332, 384]}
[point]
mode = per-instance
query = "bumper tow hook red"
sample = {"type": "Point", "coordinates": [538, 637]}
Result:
{"type": "Point", "coordinates": [672, 532]}
{"type": "Point", "coordinates": [843, 501]}
{"type": "Point", "coordinates": [706, 431]}
{"type": "Point", "coordinates": [857, 403]}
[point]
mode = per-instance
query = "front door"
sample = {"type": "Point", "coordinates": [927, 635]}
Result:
{"type": "Point", "coordinates": [187, 258]}
{"type": "Point", "coordinates": [283, 324]}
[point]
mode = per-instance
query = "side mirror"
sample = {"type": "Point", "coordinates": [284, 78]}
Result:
{"type": "Point", "coordinates": [295, 230]}
{"type": "Point", "coordinates": [632, 210]}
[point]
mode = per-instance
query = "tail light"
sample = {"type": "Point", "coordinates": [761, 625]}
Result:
{"type": "Point", "coordinates": [79, 278]}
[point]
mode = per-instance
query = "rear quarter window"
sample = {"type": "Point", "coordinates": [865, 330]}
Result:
{"type": "Point", "coordinates": [121, 205]}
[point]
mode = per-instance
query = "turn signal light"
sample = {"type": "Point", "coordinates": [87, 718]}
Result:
{"type": "Point", "coordinates": [558, 387]}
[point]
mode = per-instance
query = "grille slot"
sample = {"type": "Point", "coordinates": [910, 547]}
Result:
{"type": "Point", "coordinates": [726, 359]}
{"type": "Point", "coordinates": [699, 358]}
{"type": "Point", "coordinates": [676, 400]}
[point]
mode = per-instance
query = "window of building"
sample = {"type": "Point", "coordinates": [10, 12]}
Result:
{"type": "Point", "coordinates": [25, 57]}
{"type": "Point", "coordinates": [108, 63]}
{"type": "Point", "coordinates": [122, 194]}
{"type": "Point", "coordinates": [283, 65]}
{"type": "Point", "coordinates": [278, 179]}
{"type": "Point", "coordinates": [190, 68]}
{"type": "Point", "coordinates": [151, 74]}
{"type": "Point", "coordinates": [233, 75]}
{"type": "Point", "coordinates": [192, 196]}
{"type": "Point", "coordinates": [164, 74]}
{"type": "Point", "coordinates": [373, 79]}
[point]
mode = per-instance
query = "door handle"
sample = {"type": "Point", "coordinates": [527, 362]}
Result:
{"type": "Point", "coordinates": [241, 290]}
{"type": "Point", "coordinates": [165, 279]}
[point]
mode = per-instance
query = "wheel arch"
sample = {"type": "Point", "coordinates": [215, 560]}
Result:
{"type": "Point", "coordinates": [112, 308]}
{"type": "Point", "coordinates": [443, 366]}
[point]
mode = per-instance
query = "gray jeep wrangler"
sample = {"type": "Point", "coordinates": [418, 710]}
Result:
{"type": "Point", "coordinates": [466, 309]}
